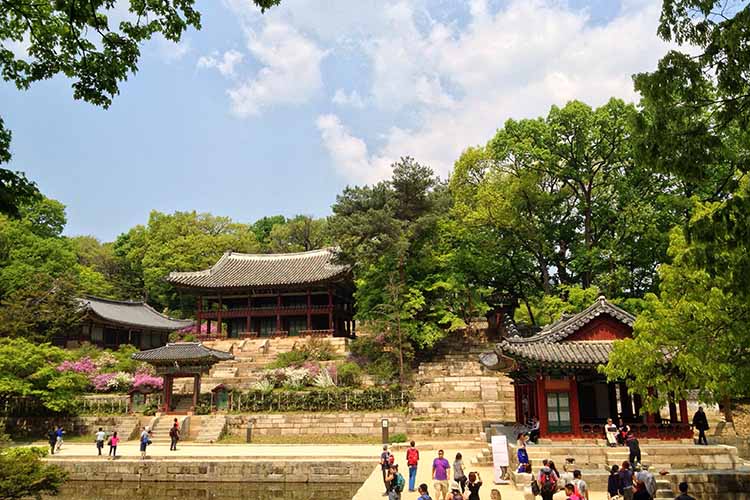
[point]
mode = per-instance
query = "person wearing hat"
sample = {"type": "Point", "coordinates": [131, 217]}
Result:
{"type": "Point", "coordinates": [455, 491]}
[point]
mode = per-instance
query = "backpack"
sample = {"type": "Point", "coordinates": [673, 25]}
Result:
{"type": "Point", "coordinates": [399, 486]}
{"type": "Point", "coordinates": [173, 432]}
{"type": "Point", "coordinates": [548, 486]}
{"type": "Point", "coordinates": [412, 456]}
{"type": "Point", "coordinates": [391, 459]}
{"type": "Point", "coordinates": [535, 490]}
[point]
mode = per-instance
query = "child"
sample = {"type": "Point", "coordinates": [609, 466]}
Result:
{"type": "Point", "coordinates": [423, 495]}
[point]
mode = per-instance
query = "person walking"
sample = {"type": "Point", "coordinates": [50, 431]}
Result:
{"type": "Point", "coordinates": [475, 482]}
{"type": "Point", "coordinates": [570, 492]}
{"type": "Point", "coordinates": [52, 439]}
{"type": "Point", "coordinates": [683, 487]}
{"type": "Point", "coordinates": [700, 422]}
{"type": "Point", "coordinates": [614, 490]}
{"type": "Point", "coordinates": [113, 442]}
{"type": "Point", "coordinates": [100, 436]}
{"type": "Point", "coordinates": [634, 457]}
{"type": "Point", "coordinates": [396, 483]}
{"type": "Point", "coordinates": [59, 442]}
{"type": "Point", "coordinates": [412, 460]}
{"type": "Point", "coordinates": [441, 473]}
{"type": "Point", "coordinates": [145, 441]}
{"type": "Point", "coordinates": [647, 479]}
{"type": "Point", "coordinates": [458, 472]}
{"type": "Point", "coordinates": [524, 464]}
{"type": "Point", "coordinates": [386, 459]}
{"type": "Point", "coordinates": [626, 481]}
{"type": "Point", "coordinates": [423, 494]}
{"type": "Point", "coordinates": [174, 436]}
{"type": "Point", "coordinates": [580, 485]}
{"type": "Point", "coordinates": [548, 481]}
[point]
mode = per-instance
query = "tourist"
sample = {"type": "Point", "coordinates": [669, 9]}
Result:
{"type": "Point", "coordinates": [113, 442]}
{"type": "Point", "coordinates": [59, 442]}
{"type": "Point", "coordinates": [386, 459]}
{"type": "Point", "coordinates": [570, 492]}
{"type": "Point", "coordinates": [396, 483]}
{"type": "Point", "coordinates": [623, 430]}
{"type": "Point", "coordinates": [412, 460]}
{"type": "Point", "coordinates": [581, 487]}
{"type": "Point", "coordinates": [100, 435]}
{"type": "Point", "coordinates": [441, 472]}
{"type": "Point", "coordinates": [174, 436]}
{"type": "Point", "coordinates": [634, 456]}
{"type": "Point", "coordinates": [554, 469]}
{"type": "Point", "coordinates": [548, 481]}
{"type": "Point", "coordinates": [683, 487]}
{"type": "Point", "coordinates": [534, 433]}
{"type": "Point", "coordinates": [52, 438]}
{"type": "Point", "coordinates": [610, 430]}
{"type": "Point", "coordinates": [456, 491]}
{"type": "Point", "coordinates": [176, 424]}
{"type": "Point", "coordinates": [700, 422]}
{"type": "Point", "coordinates": [145, 441]}
{"type": "Point", "coordinates": [614, 490]}
{"type": "Point", "coordinates": [458, 472]}
{"type": "Point", "coordinates": [495, 494]}
{"type": "Point", "coordinates": [475, 482]}
{"type": "Point", "coordinates": [647, 479]}
{"type": "Point", "coordinates": [567, 474]}
{"type": "Point", "coordinates": [423, 495]}
{"type": "Point", "coordinates": [524, 465]}
{"type": "Point", "coordinates": [626, 481]}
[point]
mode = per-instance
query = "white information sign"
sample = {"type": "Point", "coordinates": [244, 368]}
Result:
{"type": "Point", "coordinates": [500, 460]}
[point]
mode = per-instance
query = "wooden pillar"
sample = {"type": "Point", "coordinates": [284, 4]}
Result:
{"type": "Point", "coordinates": [167, 387]}
{"type": "Point", "coordinates": [208, 327]}
{"type": "Point", "coordinates": [249, 318]}
{"type": "Point", "coordinates": [278, 313]}
{"type": "Point", "coordinates": [575, 409]}
{"type": "Point", "coordinates": [309, 310]}
{"type": "Point", "coordinates": [218, 318]}
{"type": "Point", "coordinates": [354, 327]}
{"type": "Point", "coordinates": [638, 404]}
{"type": "Point", "coordinates": [198, 314]}
{"type": "Point", "coordinates": [196, 389]}
{"type": "Point", "coordinates": [541, 405]}
{"type": "Point", "coordinates": [518, 396]}
{"type": "Point", "coordinates": [672, 411]}
{"type": "Point", "coordinates": [684, 412]}
{"type": "Point", "coordinates": [626, 402]}
{"type": "Point", "coordinates": [330, 309]}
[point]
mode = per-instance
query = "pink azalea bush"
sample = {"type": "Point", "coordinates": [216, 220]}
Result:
{"type": "Point", "coordinates": [146, 382]}
{"type": "Point", "coordinates": [110, 382]}
{"type": "Point", "coordinates": [84, 365]}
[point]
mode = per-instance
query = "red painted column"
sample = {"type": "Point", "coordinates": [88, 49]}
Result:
{"type": "Point", "coordinates": [167, 387]}
{"type": "Point", "coordinates": [575, 410]}
{"type": "Point", "coordinates": [218, 318]}
{"type": "Point", "coordinates": [518, 397]}
{"type": "Point", "coordinates": [541, 405]}
{"type": "Point", "coordinates": [684, 412]}
{"type": "Point", "coordinates": [309, 310]}
{"type": "Point", "coordinates": [249, 318]}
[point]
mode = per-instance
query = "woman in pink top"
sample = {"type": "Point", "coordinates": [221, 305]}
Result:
{"type": "Point", "coordinates": [113, 445]}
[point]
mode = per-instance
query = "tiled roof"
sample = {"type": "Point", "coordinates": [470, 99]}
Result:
{"type": "Point", "coordinates": [193, 352]}
{"type": "Point", "coordinates": [581, 353]}
{"type": "Point", "coordinates": [566, 326]}
{"type": "Point", "coordinates": [131, 314]}
{"type": "Point", "coordinates": [238, 270]}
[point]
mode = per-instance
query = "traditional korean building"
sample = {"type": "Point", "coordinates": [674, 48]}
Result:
{"type": "Point", "coordinates": [556, 380]}
{"type": "Point", "coordinates": [266, 295]}
{"type": "Point", "coordinates": [112, 323]}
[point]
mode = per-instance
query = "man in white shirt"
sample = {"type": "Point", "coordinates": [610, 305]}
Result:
{"type": "Point", "coordinates": [100, 436]}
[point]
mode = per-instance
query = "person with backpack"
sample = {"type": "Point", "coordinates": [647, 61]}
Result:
{"type": "Point", "coordinates": [547, 481]}
{"type": "Point", "coordinates": [412, 459]}
{"type": "Point", "coordinates": [174, 436]}
{"type": "Point", "coordinates": [459, 475]}
{"type": "Point", "coordinates": [581, 488]}
{"type": "Point", "coordinates": [145, 441]}
{"type": "Point", "coordinates": [634, 457]}
{"type": "Point", "coordinates": [648, 481]}
{"type": "Point", "coordinates": [52, 439]}
{"type": "Point", "coordinates": [570, 492]}
{"type": "Point", "coordinates": [423, 495]}
{"type": "Point", "coordinates": [626, 481]}
{"type": "Point", "coordinates": [396, 483]}
{"type": "Point", "coordinates": [385, 466]}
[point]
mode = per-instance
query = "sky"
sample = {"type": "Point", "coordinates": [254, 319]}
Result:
{"type": "Point", "coordinates": [275, 113]}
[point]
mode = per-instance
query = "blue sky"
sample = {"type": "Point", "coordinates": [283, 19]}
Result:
{"type": "Point", "coordinates": [264, 114]}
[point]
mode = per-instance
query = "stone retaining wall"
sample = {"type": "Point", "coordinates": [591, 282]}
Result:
{"type": "Point", "coordinates": [282, 424]}
{"type": "Point", "coordinates": [38, 427]}
{"type": "Point", "coordinates": [348, 470]}
{"type": "Point", "coordinates": [715, 485]}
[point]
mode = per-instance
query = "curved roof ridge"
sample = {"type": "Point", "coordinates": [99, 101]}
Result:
{"type": "Point", "coordinates": [86, 297]}
{"type": "Point", "coordinates": [284, 255]}
{"type": "Point", "coordinates": [130, 313]}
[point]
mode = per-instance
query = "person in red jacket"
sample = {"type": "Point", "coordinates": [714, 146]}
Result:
{"type": "Point", "coordinates": [412, 459]}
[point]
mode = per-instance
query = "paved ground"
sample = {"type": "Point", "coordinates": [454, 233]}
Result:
{"type": "Point", "coordinates": [372, 489]}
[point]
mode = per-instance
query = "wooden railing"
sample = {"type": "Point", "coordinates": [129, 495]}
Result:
{"type": "Point", "coordinates": [664, 430]}
{"type": "Point", "coordinates": [316, 333]}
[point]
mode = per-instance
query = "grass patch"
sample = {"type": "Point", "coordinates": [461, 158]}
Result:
{"type": "Point", "coordinates": [304, 439]}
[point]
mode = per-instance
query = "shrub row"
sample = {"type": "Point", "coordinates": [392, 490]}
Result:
{"type": "Point", "coordinates": [320, 400]}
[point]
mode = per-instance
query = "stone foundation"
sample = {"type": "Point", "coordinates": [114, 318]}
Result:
{"type": "Point", "coordinates": [715, 485]}
{"type": "Point", "coordinates": [349, 470]}
{"type": "Point", "coordinates": [291, 424]}
{"type": "Point", "coordinates": [38, 427]}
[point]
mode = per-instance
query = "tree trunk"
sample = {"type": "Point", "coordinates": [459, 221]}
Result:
{"type": "Point", "coordinates": [398, 320]}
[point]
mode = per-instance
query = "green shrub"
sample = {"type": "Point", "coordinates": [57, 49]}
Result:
{"type": "Point", "coordinates": [375, 398]}
{"type": "Point", "coordinates": [23, 474]}
{"type": "Point", "coordinates": [291, 358]}
{"type": "Point", "coordinates": [313, 350]}
{"type": "Point", "coordinates": [150, 409]}
{"type": "Point", "coordinates": [399, 437]}
{"type": "Point", "coordinates": [349, 374]}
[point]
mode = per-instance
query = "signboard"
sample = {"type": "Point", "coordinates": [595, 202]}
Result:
{"type": "Point", "coordinates": [500, 460]}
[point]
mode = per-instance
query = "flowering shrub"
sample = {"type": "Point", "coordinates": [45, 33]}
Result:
{"type": "Point", "coordinates": [106, 360]}
{"type": "Point", "coordinates": [295, 378]}
{"type": "Point", "coordinates": [146, 382]}
{"type": "Point", "coordinates": [263, 385]}
{"type": "Point", "coordinates": [84, 365]}
{"type": "Point", "coordinates": [108, 382]}
{"type": "Point", "coordinates": [323, 379]}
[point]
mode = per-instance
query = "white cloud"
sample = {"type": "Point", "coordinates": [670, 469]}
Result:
{"type": "Point", "coordinates": [225, 64]}
{"type": "Point", "coordinates": [170, 51]}
{"type": "Point", "coordinates": [349, 153]}
{"type": "Point", "coordinates": [290, 73]}
{"type": "Point", "coordinates": [462, 84]}
{"type": "Point", "coordinates": [352, 99]}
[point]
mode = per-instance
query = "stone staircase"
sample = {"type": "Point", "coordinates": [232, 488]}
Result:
{"type": "Point", "coordinates": [210, 428]}
{"type": "Point", "coordinates": [161, 427]}
{"type": "Point", "coordinates": [663, 488]}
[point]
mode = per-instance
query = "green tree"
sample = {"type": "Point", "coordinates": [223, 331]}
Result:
{"type": "Point", "coordinates": [299, 234]}
{"type": "Point", "coordinates": [263, 227]}
{"type": "Point", "coordinates": [23, 474]}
